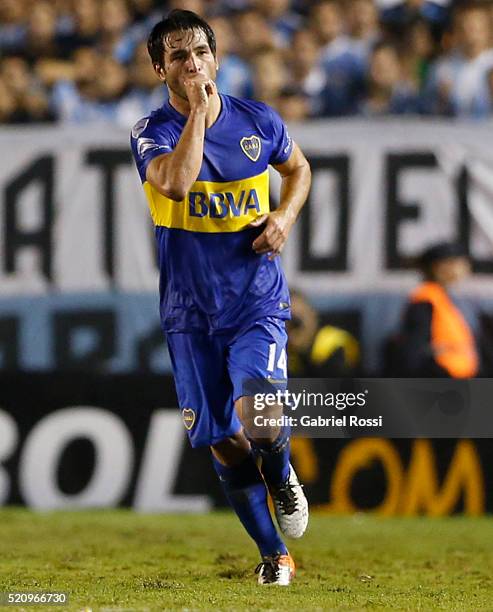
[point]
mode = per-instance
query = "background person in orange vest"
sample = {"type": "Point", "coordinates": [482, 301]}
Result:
{"type": "Point", "coordinates": [436, 338]}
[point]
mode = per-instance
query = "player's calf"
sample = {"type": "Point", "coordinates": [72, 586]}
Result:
{"type": "Point", "coordinates": [290, 503]}
{"type": "Point", "coordinates": [246, 492]}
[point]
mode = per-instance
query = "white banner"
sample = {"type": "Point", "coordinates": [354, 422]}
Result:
{"type": "Point", "coordinates": [74, 218]}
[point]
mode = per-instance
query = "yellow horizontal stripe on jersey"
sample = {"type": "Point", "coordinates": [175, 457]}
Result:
{"type": "Point", "coordinates": [212, 207]}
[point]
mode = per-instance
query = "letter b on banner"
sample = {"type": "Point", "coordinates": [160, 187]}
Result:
{"type": "Point", "coordinates": [9, 436]}
{"type": "Point", "coordinates": [46, 443]}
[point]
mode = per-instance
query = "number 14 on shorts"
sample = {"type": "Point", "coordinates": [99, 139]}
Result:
{"type": "Point", "coordinates": [282, 362]}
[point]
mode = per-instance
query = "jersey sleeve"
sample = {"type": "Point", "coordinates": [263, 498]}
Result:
{"type": "Point", "coordinates": [149, 140]}
{"type": "Point", "coordinates": [282, 144]}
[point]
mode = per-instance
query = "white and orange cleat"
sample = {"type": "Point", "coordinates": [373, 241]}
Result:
{"type": "Point", "coordinates": [278, 569]}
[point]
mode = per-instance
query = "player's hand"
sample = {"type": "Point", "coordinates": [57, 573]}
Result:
{"type": "Point", "coordinates": [275, 234]}
{"type": "Point", "coordinates": [199, 90]}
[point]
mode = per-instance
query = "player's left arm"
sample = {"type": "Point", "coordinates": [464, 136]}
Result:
{"type": "Point", "coordinates": [296, 180]}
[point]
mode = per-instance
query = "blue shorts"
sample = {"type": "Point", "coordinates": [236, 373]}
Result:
{"type": "Point", "coordinates": [210, 370]}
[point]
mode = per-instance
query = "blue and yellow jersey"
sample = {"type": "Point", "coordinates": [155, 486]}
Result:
{"type": "Point", "coordinates": [210, 277]}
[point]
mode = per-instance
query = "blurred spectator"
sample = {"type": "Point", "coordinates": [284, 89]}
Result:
{"type": "Point", "coordinates": [143, 10]}
{"type": "Point", "coordinates": [293, 105]}
{"type": "Point", "coordinates": [111, 80]}
{"type": "Point", "coordinates": [8, 106]}
{"type": "Point", "coordinates": [362, 26]}
{"type": "Point", "coordinates": [270, 75]}
{"type": "Point", "coordinates": [145, 92]}
{"type": "Point", "coordinates": [115, 36]}
{"type": "Point", "coordinates": [397, 14]}
{"type": "Point", "coordinates": [437, 334]}
{"type": "Point", "coordinates": [344, 68]}
{"type": "Point", "coordinates": [235, 75]}
{"type": "Point", "coordinates": [318, 351]}
{"type": "Point", "coordinates": [13, 16]}
{"type": "Point", "coordinates": [31, 101]}
{"type": "Point", "coordinates": [253, 33]}
{"type": "Point", "coordinates": [64, 12]}
{"type": "Point", "coordinates": [418, 52]}
{"type": "Point", "coordinates": [96, 99]}
{"type": "Point", "coordinates": [78, 84]}
{"type": "Point", "coordinates": [84, 29]}
{"type": "Point", "coordinates": [145, 14]}
{"type": "Point", "coordinates": [388, 93]}
{"type": "Point", "coordinates": [457, 84]}
{"type": "Point", "coordinates": [280, 18]}
{"type": "Point", "coordinates": [85, 67]}
{"type": "Point", "coordinates": [41, 33]}
{"type": "Point", "coordinates": [306, 71]}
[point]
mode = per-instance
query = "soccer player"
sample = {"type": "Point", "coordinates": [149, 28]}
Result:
{"type": "Point", "coordinates": [203, 160]}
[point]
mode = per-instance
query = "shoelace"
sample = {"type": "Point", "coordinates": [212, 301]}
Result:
{"type": "Point", "coordinates": [286, 498]}
{"type": "Point", "coordinates": [269, 568]}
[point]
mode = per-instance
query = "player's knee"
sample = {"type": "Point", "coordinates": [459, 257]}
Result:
{"type": "Point", "coordinates": [232, 450]}
{"type": "Point", "coordinates": [268, 430]}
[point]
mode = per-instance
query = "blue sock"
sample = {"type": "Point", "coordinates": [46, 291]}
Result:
{"type": "Point", "coordinates": [275, 458]}
{"type": "Point", "coordinates": [247, 494]}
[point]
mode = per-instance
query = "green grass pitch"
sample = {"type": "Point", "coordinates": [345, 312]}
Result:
{"type": "Point", "coordinates": [119, 560]}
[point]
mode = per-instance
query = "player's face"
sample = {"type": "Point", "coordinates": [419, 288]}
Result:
{"type": "Point", "coordinates": [187, 55]}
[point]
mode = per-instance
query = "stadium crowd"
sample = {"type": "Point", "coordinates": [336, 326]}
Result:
{"type": "Point", "coordinates": [76, 61]}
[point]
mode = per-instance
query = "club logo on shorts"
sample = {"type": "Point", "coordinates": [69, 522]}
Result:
{"type": "Point", "coordinates": [251, 147]}
{"type": "Point", "coordinates": [188, 418]}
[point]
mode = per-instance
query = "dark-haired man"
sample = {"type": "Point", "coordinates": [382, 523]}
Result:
{"type": "Point", "coordinates": [203, 159]}
{"type": "Point", "coordinates": [436, 337]}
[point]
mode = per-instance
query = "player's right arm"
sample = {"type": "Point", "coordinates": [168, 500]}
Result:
{"type": "Point", "coordinates": [173, 174]}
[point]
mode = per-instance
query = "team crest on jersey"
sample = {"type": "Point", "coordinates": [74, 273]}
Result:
{"type": "Point", "coordinates": [251, 147]}
{"type": "Point", "coordinates": [188, 418]}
